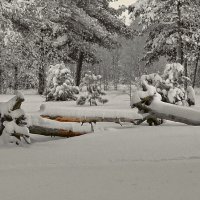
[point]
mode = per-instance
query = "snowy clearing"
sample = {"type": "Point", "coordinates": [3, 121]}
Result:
{"type": "Point", "coordinates": [114, 163]}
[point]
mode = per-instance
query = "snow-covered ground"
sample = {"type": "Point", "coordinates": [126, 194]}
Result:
{"type": "Point", "coordinates": [114, 163]}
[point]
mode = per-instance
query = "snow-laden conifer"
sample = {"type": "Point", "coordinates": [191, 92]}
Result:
{"type": "Point", "coordinates": [60, 84]}
{"type": "Point", "coordinates": [170, 85]}
{"type": "Point", "coordinates": [91, 90]}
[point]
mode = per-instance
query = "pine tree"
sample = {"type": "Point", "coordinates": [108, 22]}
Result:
{"type": "Point", "coordinates": [172, 26]}
{"type": "Point", "coordinates": [60, 84]}
{"type": "Point", "coordinates": [91, 89]}
{"type": "Point", "coordinates": [64, 30]}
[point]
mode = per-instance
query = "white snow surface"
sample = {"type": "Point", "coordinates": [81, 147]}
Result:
{"type": "Point", "coordinates": [113, 163]}
{"type": "Point", "coordinates": [80, 112]}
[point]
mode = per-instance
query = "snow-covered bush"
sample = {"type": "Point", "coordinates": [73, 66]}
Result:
{"type": "Point", "coordinates": [13, 121]}
{"type": "Point", "coordinates": [91, 90]}
{"type": "Point", "coordinates": [60, 84]}
{"type": "Point", "coordinates": [171, 86]}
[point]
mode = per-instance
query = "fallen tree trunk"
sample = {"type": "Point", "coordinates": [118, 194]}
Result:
{"type": "Point", "coordinates": [39, 126]}
{"type": "Point", "coordinates": [88, 116]}
{"type": "Point", "coordinates": [39, 130]}
{"type": "Point", "coordinates": [153, 107]}
{"type": "Point", "coordinates": [175, 113]}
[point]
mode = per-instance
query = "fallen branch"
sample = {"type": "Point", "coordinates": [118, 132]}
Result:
{"type": "Point", "coordinates": [88, 116]}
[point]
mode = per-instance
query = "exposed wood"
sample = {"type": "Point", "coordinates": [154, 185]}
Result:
{"type": "Point", "coordinates": [40, 126]}
{"type": "Point", "coordinates": [83, 115]}
{"type": "Point", "coordinates": [39, 130]}
{"type": "Point", "coordinates": [88, 119]}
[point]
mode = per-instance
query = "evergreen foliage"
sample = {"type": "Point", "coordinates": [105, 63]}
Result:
{"type": "Point", "coordinates": [172, 26]}
{"type": "Point", "coordinates": [55, 31]}
{"type": "Point", "coordinates": [170, 85]}
{"type": "Point", "coordinates": [91, 89]}
{"type": "Point", "coordinates": [60, 84]}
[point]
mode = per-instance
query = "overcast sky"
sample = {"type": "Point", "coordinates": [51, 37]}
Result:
{"type": "Point", "coordinates": [122, 2]}
{"type": "Point", "coordinates": [126, 3]}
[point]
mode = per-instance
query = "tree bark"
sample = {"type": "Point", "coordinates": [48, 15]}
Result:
{"type": "Point", "coordinates": [1, 81]}
{"type": "Point", "coordinates": [79, 68]}
{"type": "Point", "coordinates": [196, 69]}
{"type": "Point", "coordinates": [41, 79]}
{"type": "Point", "coordinates": [40, 126]}
{"type": "Point", "coordinates": [180, 42]}
{"type": "Point", "coordinates": [161, 110]}
{"type": "Point", "coordinates": [186, 71]}
{"type": "Point", "coordinates": [39, 130]}
{"type": "Point", "coordinates": [16, 83]}
{"type": "Point", "coordinates": [42, 70]}
{"type": "Point", "coordinates": [89, 119]}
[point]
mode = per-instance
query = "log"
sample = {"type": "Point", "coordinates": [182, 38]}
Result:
{"type": "Point", "coordinates": [89, 119]}
{"type": "Point", "coordinates": [39, 130]}
{"type": "Point", "coordinates": [175, 113]}
{"type": "Point", "coordinates": [158, 109]}
{"type": "Point", "coordinates": [40, 126]}
{"type": "Point", "coordinates": [83, 115]}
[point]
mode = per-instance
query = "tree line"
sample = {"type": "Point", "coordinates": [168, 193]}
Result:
{"type": "Point", "coordinates": [88, 35]}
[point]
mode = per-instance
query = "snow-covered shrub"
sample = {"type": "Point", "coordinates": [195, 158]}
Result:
{"type": "Point", "coordinates": [91, 90]}
{"type": "Point", "coordinates": [170, 85]}
{"type": "Point", "coordinates": [13, 121]}
{"type": "Point", "coordinates": [60, 84]}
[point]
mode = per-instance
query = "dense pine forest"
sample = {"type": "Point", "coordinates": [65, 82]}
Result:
{"type": "Point", "coordinates": [92, 36]}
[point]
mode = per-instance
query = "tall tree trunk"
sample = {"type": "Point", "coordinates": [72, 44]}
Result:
{"type": "Point", "coordinates": [42, 79]}
{"type": "Point", "coordinates": [196, 69]}
{"type": "Point", "coordinates": [115, 69]}
{"type": "Point", "coordinates": [79, 68]}
{"type": "Point", "coordinates": [16, 83]}
{"type": "Point", "coordinates": [41, 70]}
{"type": "Point", "coordinates": [180, 42]}
{"type": "Point", "coordinates": [186, 71]}
{"type": "Point", "coordinates": [1, 81]}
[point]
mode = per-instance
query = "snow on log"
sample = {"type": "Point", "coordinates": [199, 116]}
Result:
{"type": "Point", "coordinates": [154, 107]}
{"type": "Point", "coordinates": [87, 116]}
{"type": "Point", "coordinates": [39, 126]}
{"type": "Point", "coordinates": [175, 113]}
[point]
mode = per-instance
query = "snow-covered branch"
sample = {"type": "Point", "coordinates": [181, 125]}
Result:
{"type": "Point", "coordinates": [88, 115]}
